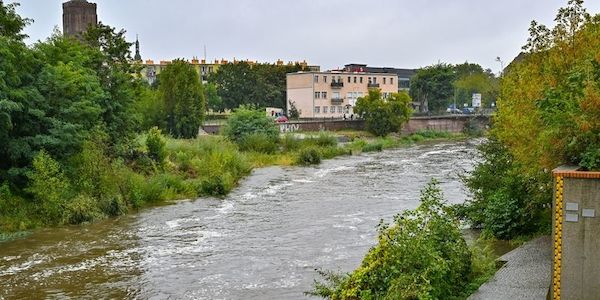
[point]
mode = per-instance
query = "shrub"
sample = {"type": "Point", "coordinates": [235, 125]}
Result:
{"type": "Point", "coordinates": [590, 159]}
{"type": "Point", "coordinates": [82, 209]}
{"type": "Point", "coordinates": [308, 156]}
{"type": "Point", "coordinates": [290, 142]}
{"type": "Point", "coordinates": [322, 140]}
{"type": "Point", "coordinates": [49, 187]}
{"type": "Point", "coordinates": [258, 142]}
{"type": "Point", "coordinates": [384, 116]}
{"type": "Point", "coordinates": [421, 256]}
{"type": "Point", "coordinates": [246, 121]}
{"type": "Point", "coordinates": [372, 147]}
{"type": "Point", "coordinates": [506, 202]}
{"type": "Point", "coordinates": [156, 146]}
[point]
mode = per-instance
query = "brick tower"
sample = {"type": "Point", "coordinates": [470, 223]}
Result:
{"type": "Point", "coordinates": [78, 15]}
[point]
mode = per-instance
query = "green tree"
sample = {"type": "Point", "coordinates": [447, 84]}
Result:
{"type": "Point", "coordinates": [383, 116]}
{"type": "Point", "coordinates": [11, 23]}
{"type": "Point", "coordinates": [262, 85]}
{"type": "Point", "coordinates": [293, 112]}
{"type": "Point", "coordinates": [246, 121]}
{"type": "Point", "coordinates": [213, 99]}
{"type": "Point", "coordinates": [115, 71]}
{"type": "Point", "coordinates": [183, 98]}
{"type": "Point", "coordinates": [432, 87]}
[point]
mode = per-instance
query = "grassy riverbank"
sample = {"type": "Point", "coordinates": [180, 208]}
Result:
{"type": "Point", "coordinates": [206, 166]}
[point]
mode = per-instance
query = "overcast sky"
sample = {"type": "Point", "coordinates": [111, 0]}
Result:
{"type": "Point", "coordinates": [329, 33]}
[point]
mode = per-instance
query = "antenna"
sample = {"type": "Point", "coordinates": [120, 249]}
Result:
{"type": "Point", "coordinates": [204, 52]}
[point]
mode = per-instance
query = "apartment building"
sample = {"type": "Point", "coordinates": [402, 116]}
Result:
{"type": "Point", "coordinates": [333, 94]}
{"type": "Point", "coordinates": [151, 70]}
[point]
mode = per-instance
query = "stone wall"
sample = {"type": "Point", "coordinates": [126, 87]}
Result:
{"type": "Point", "coordinates": [453, 124]}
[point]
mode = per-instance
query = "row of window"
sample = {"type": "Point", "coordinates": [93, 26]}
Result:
{"type": "Point", "coordinates": [355, 79]}
{"type": "Point", "coordinates": [332, 109]}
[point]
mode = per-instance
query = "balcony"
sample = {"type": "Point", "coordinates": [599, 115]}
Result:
{"type": "Point", "coordinates": [373, 85]}
{"type": "Point", "coordinates": [337, 101]}
{"type": "Point", "coordinates": [337, 84]}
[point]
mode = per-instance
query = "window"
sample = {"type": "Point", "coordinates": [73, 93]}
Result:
{"type": "Point", "coordinates": [361, 79]}
{"type": "Point", "coordinates": [349, 78]}
{"type": "Point", "coordinates": [317, 95]}
{"type": "Point", "coordinates": [354, 79]}
{"type": "Point", "coordinates": [392, 80]}
{"type": "Point", "coordinates": [384, 80]}
{"type": "Point", "coordinates": [336, 95]}
{"type": "Point", "coordinates": [325, 79]}
{"type": "Point", "coordinates": [370, 81]}
{"type": "Point", "coordinates": [349, 95]}
{"type": "Point", "coordinates": [374, 80]}
{"type": "Point", "coordinates": [340, 109]}
{"type": "Point", "coordinates": [316, 78]}
{"type": "Point", "coordinates": [324, 95]}
{"type": "Point", "coordinates": [317, 109]}
{"type": "Point", "coordinates": [324, 109]}
{"type": "Point", "coordinates": [339, 78]}
{"type": "Point", "coordinates": [360, 94]}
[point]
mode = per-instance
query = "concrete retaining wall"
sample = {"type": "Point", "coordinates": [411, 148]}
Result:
{"type": "Point", "coordinates": [576, 235]}
{"type": "Point", "coordinates": [439, 123]}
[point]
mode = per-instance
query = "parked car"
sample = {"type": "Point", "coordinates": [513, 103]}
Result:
{"type": "Point", "coordinates": [468, 110]}
{"type": "Point", "coordinates": [281, 119]}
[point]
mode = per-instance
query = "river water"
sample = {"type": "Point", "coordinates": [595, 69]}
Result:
{"type": "Point", "coordinates": [263, 241]}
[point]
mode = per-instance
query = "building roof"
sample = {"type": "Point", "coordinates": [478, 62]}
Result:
{"type": "Point", "coordinates": [402, 73]}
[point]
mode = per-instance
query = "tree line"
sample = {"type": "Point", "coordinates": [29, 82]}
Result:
{"type": "Point", "coordinates": [437, 86]}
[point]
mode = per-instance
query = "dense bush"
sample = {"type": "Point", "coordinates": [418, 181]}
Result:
{"type": "Point", "coordinates": [258, 142]}
{"type": "Point", "coordinates": [321, 140]}
{"type": "Point", "coordinates": [506, 202]}
{"type": "Point", "coordinates": [383, 116]}
{"type": "Point", "coordinates": [155, 143]}
{"type": "Point", "coordinates": [372, 147]}
{"type": "Point", "coordinates": [308, 156]}
{"type": "Point", "coordinates": [246, 121]}
{"type": "Point", "coordinates": [421, 256]}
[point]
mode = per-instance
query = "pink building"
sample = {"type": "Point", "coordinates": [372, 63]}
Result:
{"type": "Point", "coordinates": [334, 93]}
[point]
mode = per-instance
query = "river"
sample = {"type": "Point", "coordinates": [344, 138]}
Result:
{"type": "Point", "coordinates": [263, 241]}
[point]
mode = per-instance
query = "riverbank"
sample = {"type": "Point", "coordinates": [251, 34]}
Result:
{"type": "Point", "coordinates": [206, 166]}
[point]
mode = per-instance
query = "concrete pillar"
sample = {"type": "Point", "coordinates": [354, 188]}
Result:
{"type": "Point", "coordinates": [576, 235]}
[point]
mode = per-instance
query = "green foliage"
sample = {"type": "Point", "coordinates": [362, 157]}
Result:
{"type": "Point", "coordinates": [590, 160]}
{"type": "Point", "coordinates": [550, 99]}
{"type": "Point", "coordinates": [258, 142]}
{"type": "Point", "coordinates": [383, 116]}
{"type": "Point", "coordinates": [246, 121]}
{"type": "Point", "coordinates": [375, 147]}
{"type": "Point", "coordinates": [293, 113]}
{"type": "Point", "coordinates": [241, 83]}
{"type": "Point", "coordinates": [308, 156]}
{"type": "Point", "coordinates": [506, 202]}
{"type": "Point", "coordinates": [321, 140]}
{"type": "Point", "coordinates": [11, 24]}
{"type": "Point", "coordinates": [156, 146]}
{"type": "Point", "coordinates": [213, 100]}
{"type": "Point", "coordinates": [183, 98]}
{"type": "Point", "coordinates": [432, 87]}
{"type": "Point", "coordinates": [49, 187]}
{"type": "Point", "coordinates": [421, 256]}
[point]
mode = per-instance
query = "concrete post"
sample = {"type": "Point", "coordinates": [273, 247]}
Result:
{"type": "Point", "coordinates": [576, 235]}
